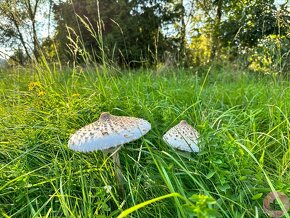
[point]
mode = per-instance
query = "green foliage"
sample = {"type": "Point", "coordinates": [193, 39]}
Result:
{"type": "Point", "coordinates": [270, 55]}
{"type": "Point", "coordinates": [49, 48]}
{"type": "Point", "coordinates": [196, 205]}
{"type": "Point", "coordinates": [151, 34]}
{"type": "Point", "coordinates": [248, 22]}
{"type": "Point", "coordinates": [243, 120]}
{"type": "Point", "coordinates": [128, 33]}
{"type": "Point", "coordinates": [241, 32]}
{"type": "Point", "coordinates": [201, 206]}
{"type": "Point", "coordinates": [199, 50]}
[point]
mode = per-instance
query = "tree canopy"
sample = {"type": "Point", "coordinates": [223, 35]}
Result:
{"type": "Point", "coordinates": [134, 33]}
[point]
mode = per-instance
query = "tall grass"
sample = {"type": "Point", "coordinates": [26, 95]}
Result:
{"type": "Point", "coordinates": [243, 120]}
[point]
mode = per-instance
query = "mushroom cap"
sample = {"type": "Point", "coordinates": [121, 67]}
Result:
{"type": "Point", "coordinates": [183, 137]}
{"type": "Point", "coordinates": [108, 132]}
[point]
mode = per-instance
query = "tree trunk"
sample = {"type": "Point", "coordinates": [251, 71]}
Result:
{"type": "Point", "coordinates": [23, 43]}
{"type": "Point", "coordinates": [215, 39]}
{"type": "Point", "coordinates": [182, 32]}
{"type": "Point", "coordinates": [32, 9]}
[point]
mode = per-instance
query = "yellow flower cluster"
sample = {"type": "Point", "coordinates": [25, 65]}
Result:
{"type": "Point", "coordinates": [36, 86]}
{"type": "Point", "coordinates": [33, 85]}
{"type": "Point", "coordinates": [41, 93]}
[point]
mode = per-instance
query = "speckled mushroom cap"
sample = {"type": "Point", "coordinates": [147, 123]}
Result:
{"type": "Point", "coordinates": [108, 132]}
{"type": "Point", "coordinates": [183, 137]}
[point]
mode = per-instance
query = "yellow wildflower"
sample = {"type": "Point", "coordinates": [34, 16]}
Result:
{"type": "Point", "coordinates": [76, 95]}
{"type": "Point", "coordinates": [32, 85]}
{"type": "Point", "coordinates": [41, 93]}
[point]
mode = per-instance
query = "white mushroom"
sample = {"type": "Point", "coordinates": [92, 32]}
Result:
{"type": "Point", "coordinates": [107, 134]}
{"type": "Point", "coordinates": [183, 137]}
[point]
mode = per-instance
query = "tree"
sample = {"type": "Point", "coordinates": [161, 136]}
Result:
{"type": "Point", "coordinates": [235, 25]}
{"type": "Point", "coordinates": [247, 23]}
{"type": "Point", "coordinates": [12, 21]}
{"type": "Point", "coordinates": [18, 25]}
{"type": "Point", "coordinates": [216, 28]}
{"type": "Point", "coordinates": [31, 8]}
{"type": "Point", "coordinates": [129, 31]}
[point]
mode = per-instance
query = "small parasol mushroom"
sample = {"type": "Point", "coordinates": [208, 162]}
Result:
{"type": "Point", "coordinates": [183, 137]}
{"type": "Point", "coordinates": [107, 134]}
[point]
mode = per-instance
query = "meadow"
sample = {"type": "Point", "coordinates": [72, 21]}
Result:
{"type": "Point", "coordinates": [242, 117]}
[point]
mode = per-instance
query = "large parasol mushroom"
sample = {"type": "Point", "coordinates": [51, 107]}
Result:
{"type": "Point", "coordinates": [107, 134]}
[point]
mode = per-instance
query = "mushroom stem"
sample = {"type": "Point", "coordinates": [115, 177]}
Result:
{"type": "Point", "coordinates": [118, 172]}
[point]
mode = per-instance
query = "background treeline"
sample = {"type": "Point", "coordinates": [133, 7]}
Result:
{"type": "Point", "coordinates": [148, 33]}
